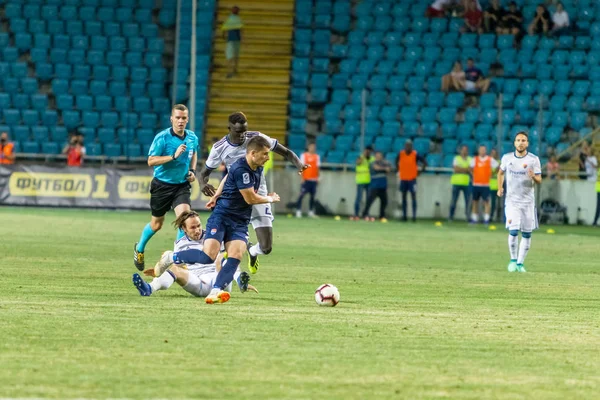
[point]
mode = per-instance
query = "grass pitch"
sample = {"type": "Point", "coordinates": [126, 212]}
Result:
{"type": "Point", "coordinates": [426, 312]}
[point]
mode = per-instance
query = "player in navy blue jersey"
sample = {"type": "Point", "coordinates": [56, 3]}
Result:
{"type": "Point", "coordinates": [229, 221]}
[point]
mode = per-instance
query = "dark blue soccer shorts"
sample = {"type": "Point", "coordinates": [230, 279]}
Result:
{"type": "Point", "coordinates": [481, 192]}
{"type": "Point", "coordinates": [225, 229]}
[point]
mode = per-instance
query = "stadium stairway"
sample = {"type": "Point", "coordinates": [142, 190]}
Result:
{"type": "Point", "coordinates": [260, 89]}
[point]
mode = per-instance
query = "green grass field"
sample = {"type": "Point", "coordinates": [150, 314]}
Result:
{"type": "Point", "coordinates": [426, 312]}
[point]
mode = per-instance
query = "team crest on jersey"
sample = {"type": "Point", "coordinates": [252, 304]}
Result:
{"type": "Point", "coordinates": [524, 165]}
{"type": "Point", "coordinates": [510, 221]}
{"type": "Point", "coordinates": [213, 231]}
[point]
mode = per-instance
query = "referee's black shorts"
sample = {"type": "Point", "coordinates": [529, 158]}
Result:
{"type": "Point", "coordinates": [164, 196]}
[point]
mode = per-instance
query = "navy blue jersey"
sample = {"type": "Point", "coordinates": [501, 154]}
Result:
{"type": "Point", "coordinates": [231, 202]}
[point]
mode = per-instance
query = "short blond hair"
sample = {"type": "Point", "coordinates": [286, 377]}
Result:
{"type": "Point", "coordinates": [179, 107]}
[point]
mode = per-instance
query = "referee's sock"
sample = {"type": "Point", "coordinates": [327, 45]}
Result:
{"type": "Point", "coordinates": [180, 234]}
{"type": "Point", "coordinates": [147, 233]}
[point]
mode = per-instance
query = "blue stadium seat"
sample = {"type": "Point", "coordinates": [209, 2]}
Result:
{"type": "Point", "coordinates": [50, 117]}
{"type": "Point", "coordinates": [324, 142]}
{"type": "Point", "coordinates": [578, 120]}
{"type": "Point", "coordinates": [106, 135]}
{"type": "Point", "coordinates": [50, 148]}
{"type": "Point", "coordinates": [12, 116]}
{"type": "Point", "coordinates": [455, 99]}
{"type": "Point", "coordinates": [465, 131]}
{"type": "Point", "coordinates": [5, 101]}
{"type": "Point", "coordinates": [84, 102]}
{"type": "Point", "coordinates": [20, 101]}
{"type": "Point", "coordinates": [71, 119]}
{"type": "Point", "coordinates": [21, 133]}
{"type": "Point", "coordinates": [30, 117]}
{"type": "Point", "coordinates": [30, 147]}
{"type": "Point", "coordinates": [59, 134]}
{"type": "Point", "coordinates": [113, 150]}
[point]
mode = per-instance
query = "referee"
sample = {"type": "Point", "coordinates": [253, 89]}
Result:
{"type": "Point", "coordinates": [173, 155]}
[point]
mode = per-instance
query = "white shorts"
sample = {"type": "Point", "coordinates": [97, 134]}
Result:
{"type": "Point", "coordinates": [201, 283]}
{"type": "Point", "coordinates": [470, 86]}
{"type": "Point", "coordinates": [262, 214]}
{"type": "Point", "coordinates": [521, 217]}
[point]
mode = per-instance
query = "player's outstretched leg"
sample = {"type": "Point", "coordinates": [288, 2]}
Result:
{"type": "Point", "coordinates": [264, 234]}
{"type": "Point", "coordinates": [141, 285]}
{"type": "Point", "coordinates": [513, 242]}
{"type": "Point", "coordinates": [166, 260]}
{"type": "Point", "coordinates": [138, 249]}
{"type": "Point", "coordinates": [224, 278]}
{"type": "Point", "coordinates": [523, 249]}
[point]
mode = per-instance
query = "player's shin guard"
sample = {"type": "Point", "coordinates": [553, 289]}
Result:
{"type": "Point", "coordinates": [191, 256]}
{"type": "Point", "coordinates": [524, 247]}
{"type": "Point", "coordinates": [226, 273]}
{"type": "Point", "coordinates": [513, 244]}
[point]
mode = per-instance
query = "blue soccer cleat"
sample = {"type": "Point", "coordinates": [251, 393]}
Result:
{"type": "Point", "coordinates": [144, 288]}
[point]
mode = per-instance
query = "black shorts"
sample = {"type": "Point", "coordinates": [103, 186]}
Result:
{"type": "Point", "coordinates": [164, 196]}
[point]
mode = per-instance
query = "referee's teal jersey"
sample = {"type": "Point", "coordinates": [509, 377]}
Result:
{"type": "Point", "coordinates": [165, 143]}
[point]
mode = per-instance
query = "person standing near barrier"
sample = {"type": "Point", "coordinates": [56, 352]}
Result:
{"type": "Point", "coordinates": [310, 180]}
{"type": "Point", "coordinates": [7, 150]}
{"type": "Point", "coordinates": [460, 181]}
{"type": "Point", "coordinates": [408, 170]}
{"type": "Point", "coordinates": [597, 202]}
{"type": "Point", "coordinates": [482, 167]}
{"type": "Point", "coordinates": [363, 178]}
{"type": "Point", "coordinates": [378, 186]}
{"type": "Point", "coordinates": [173, 154]}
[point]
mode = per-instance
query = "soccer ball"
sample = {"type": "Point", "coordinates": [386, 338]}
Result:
{"type": "Point", "coordinates": [327, 295]}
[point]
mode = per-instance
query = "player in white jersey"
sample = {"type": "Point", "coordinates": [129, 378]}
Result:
{"type": "Point", "coordinates": [230, 149]}
{"type": "Point", "coordinates": [196, 279]}
{"type": "Point", "coordinates": [522, 171]}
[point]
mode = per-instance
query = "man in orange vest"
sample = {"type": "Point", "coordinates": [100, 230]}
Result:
{"type": "Point", "coordinates": [482, 166]}
{"type": "Point", "coordinates": [310, 179]}
{"type": "Point", "coordinates": [408, 170]}
{"type": "Point", "coordinates": [7, 150]}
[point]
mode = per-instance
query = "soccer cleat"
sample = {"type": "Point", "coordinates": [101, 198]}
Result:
{"type": "Point", "coordinates": [298, 214]}
{"type": "Point", "coordinates": [138, 258]}
{"type": "Point", "coordinates": [243, 281]}
{"type": "Point", "coordinates": [512, 266]}
{"type": "Point", "coordinates": [252, 260]}
{"type": "Point", "coordinates": [217, 296]}
{"type": "Point", "coordinates": [141, 285]}
{"type": "Point", "coordinates": [521, 268]}
{"type": "Point", "coordinates": [166, 260]}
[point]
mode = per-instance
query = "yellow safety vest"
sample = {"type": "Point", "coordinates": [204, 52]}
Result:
{"type": "Point", "coordinates": [363, 173]}
{"type": "Point", "coordinates": [461, 179]}
{"type": "Point", "coordinates": [598, 184]}
{"type": "Point", "coordinates": [494, 181]}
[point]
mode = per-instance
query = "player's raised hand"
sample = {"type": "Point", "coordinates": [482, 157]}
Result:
{"type": "Point", "coordinates": [207, 189]}
{"type": "Point", "coordinates": [500, 192]}
{"type": "Point", "coordinates": [252, 288]}
{"type": "Point", "coordinates": [180, 150]}
{"type": "Point", "coordinates": [275, 197]}
{"type": "Point", "coordinates": [304, 167]}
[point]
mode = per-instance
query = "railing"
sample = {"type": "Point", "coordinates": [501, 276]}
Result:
{"type": "Point", "coordinates": [578, 143]}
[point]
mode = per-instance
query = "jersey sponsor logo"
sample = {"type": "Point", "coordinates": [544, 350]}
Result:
{"type": "Point", "coordinates": [246, 178]}
{"type": "Point", "coordinates": [213, 231]}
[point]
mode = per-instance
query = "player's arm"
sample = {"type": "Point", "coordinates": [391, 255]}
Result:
{"type": "Point", "coordinates": [213, 200]}
{"type": "Point", "coordinates": [290, 156]}
{"type": "Point", "coordinates": [155, 156]}
{"type": "Point", "coordinates": [423, 162]}
{"type": "Point", "coordinates": [500, 182]}
{"type": "Point", "coordinates": [535, 173]}
{"type": "Point", "coordinates": [212, 162]}
{"type": "Point", "coordinates": [253, 198]}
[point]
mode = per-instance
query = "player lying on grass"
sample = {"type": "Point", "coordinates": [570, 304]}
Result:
{"type": "Point", "coordinates": [229, 221]}
{"type": "Point", "coordinates": [196, 279]}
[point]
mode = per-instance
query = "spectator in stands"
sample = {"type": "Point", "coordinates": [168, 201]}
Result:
{"type": "Point", "coordinates": [363, 179]}
{"type": "Point", "coordinates": [583, 152]}
{"type": "Point", "coordinates": [310, 180]}
{"type": "Point", "coordinates": [473, 18]}
{"type": "Point", "coordinates": [378, 186]}
{"type": "Point", "coordinates": [560, 21]}
{"type": "Point", "coordinates": [552, 168]}
{"type": "Point", "coordinates": [492, 17]}
{"type": "Point", "coordinates": [75, 151]}
{"type": "Point", "coordinates": [475, 80]}
{"type": "Point", "coordinates": [7, 150]}
{"type": "Point", "coordinates": [455, 80]}
{"type": "Point", "coordinates": [232, 33]}
{"type": "Point", "coordinates": [408, 170]}
{"type": "Point", "coordinates": [438, 8]}
{"type": "Point", "coordinates": [591, 166]}
{"type": "Point", "coordinates": [460, 181]}
{"type": "Point", "coordinates": [541, 23]}
{"type": "Point", "coordinates": [511, 20]}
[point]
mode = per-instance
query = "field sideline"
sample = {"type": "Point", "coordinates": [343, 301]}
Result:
{"type": "Point", "coordinates": [426, 312]}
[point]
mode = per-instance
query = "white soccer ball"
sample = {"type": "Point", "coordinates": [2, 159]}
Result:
{"type": "Point", "coordinates": [327, 295]}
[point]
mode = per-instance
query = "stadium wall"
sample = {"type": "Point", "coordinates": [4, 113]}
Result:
{"type": "Point", "coordinates": [337, 191]}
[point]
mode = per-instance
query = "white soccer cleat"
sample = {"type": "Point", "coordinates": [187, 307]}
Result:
{"type": "Point", "coordinates": [166, 260]}
{"type": "Point", "coordinates": [298, 214]}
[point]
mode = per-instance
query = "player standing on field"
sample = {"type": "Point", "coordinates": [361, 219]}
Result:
{"type": "Point", "coordinates": [232, 148]}
{"type": "Point", "coordinates": [522, 170]}
{"type": "Point", "coordinates": [173, 154]}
